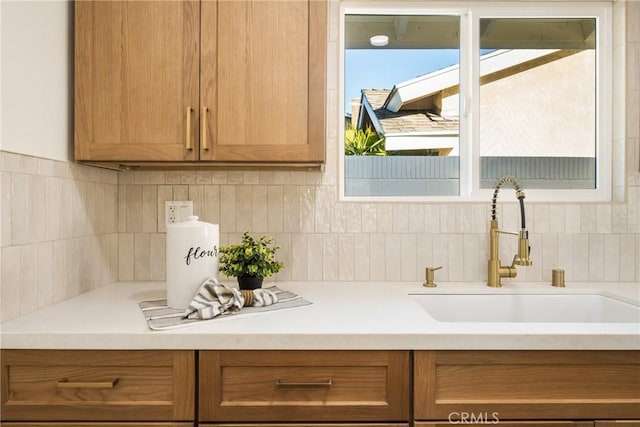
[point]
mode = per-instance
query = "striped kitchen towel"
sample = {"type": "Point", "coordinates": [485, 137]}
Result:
{"type": "Point", "coordinates": [214, 299]}
{"type": "Point", "coordinates": [160, 317]}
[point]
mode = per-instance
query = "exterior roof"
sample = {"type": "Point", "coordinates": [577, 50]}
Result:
{"type": "Point", "coordinates": [407, 121]}
{"type": "Point", "coordinates": [392, 111]}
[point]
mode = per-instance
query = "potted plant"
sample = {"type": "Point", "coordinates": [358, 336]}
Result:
{"type": "Point", "coordinates": [250, 261]}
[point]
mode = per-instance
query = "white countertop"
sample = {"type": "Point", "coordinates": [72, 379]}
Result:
{"type": "Point", "coordinates": [342, 316]}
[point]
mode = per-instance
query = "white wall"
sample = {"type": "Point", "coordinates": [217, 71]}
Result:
{"type": "Point", "coordinates": [37, 78]}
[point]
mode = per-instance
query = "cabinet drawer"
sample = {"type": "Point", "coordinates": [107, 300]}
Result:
{"type": "Point", "coordinates": [307, 425]}
{"type": "Point", "coordinates": [96, 424]}
{"type": "Point", "coordinates": [304, 386]}
{"type": "Point", "coordinates": [51, 385]}
{"type": "Point", "coordinates": [527, 384]}
{"type": "Point", "coordinates": [464, 418]}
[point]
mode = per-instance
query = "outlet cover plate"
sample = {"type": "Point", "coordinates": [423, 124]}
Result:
{"type": "Point", "coordinates": [177, 211]}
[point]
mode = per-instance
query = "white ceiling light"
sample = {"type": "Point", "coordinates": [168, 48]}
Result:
{"type": "Point", "coordinates": [379, 40]}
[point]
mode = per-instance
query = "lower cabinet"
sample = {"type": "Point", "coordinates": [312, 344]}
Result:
{"type": "Point", "coordinates": [78, 385]}
{"type": "Point", "coordinates": [98, 424]}
{"type": "Point", "coordinates": [306, 425]}
{"type": "Point", "coordinates": [527, 385]}
{"type": "Point", "coordinates": [304, 386]}
{"type": "Point", "coordinates": [256, 388]}
{"type": "Point", "coordinates": [482, 420]}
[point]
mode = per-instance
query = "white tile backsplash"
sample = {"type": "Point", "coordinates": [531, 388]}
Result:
{"type": "Point", "coordinates": [244, 208]}
{"type": "Point", "coordinates": [362, 250]}
{"type": "Point", "coordinates": [275, 208]}
{"type": "Point", "coordinates": [393, 257]}
{"type": "Point", "coordinates": [408, 257]}
{"type": "Point", "coordinates": [376, 261]}
{"type": "Point", "coordinates": [125, 256]}
{"type": "Point", "coordinates": [307, 207]}
{"type": "Point", "coordinates": [314, 255]}
{"type": "Point", "coordinates": [330, 257]}
{"type": "Point", "coordinates": [346, 257]}
{"type": "Point", "coordinates": [299, 250]}
{"type": "Point", "coordinates": [10, 301]}
{"type": "Point", "coordinates": [58, 231]}
{"type": "Point", "coordinates": [141, 257]}
{"type": "Point", "coordinates": [474, 266]}
{"type": "Point", "coordinates": [258, 209]}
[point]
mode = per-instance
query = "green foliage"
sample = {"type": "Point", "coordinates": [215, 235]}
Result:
{"type": "Point", "coordinates": [251, 257]}
{"type": "Point", "coordinates": [358, 142]}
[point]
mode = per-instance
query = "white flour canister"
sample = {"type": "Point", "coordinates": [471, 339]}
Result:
{"type": "Point", "coordinates": [192, 257]}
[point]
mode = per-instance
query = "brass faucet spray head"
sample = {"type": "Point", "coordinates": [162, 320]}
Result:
{"type": "Point", "coordinates": [495, 270]}
{"type": "Point", "coordinates": [523, 237]}
{"type": "Point", "coordinates": [523, 250]}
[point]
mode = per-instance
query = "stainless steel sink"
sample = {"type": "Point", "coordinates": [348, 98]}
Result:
{"type": "Point", "coordinates": [520, 307]}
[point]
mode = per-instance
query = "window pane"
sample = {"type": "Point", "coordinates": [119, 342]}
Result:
{"type": "Point", "coordinates": [538, 101]}
{"type": "Point", "coordinates": [402, 105]}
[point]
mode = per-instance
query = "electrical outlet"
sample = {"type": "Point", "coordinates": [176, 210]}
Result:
{"type": "Point", "coordinates": [177, 211]}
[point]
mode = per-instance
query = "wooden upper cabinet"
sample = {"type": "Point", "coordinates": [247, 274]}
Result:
{"type": "Point", "coordinates": [263, 80]}
{"type": "Point", "coordinates": [136, 75]}
{"type": "Point", "coordinates": [176, 81]}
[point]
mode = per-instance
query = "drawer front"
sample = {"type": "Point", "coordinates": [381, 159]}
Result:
{"type": "Point", "coordinates": [51, 385]}
{"type": "Point", "coordinates": [304, 386]}
{"type": "Point", "coordinates": [520, 385]}
{"type": "Point", "coordinates": [96, 424]}
{"type": "Point", "coordinates": [482, 420]}
{"type": "Point", "coordinates": [306, 425]}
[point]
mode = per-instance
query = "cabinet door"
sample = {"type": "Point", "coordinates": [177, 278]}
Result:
{"type": "Point", "coordinates": [263, 80]}
{"type": "Point", "coordinates": [136, 80]}
{"type": "Point", "coordinates": [618, 423]}
{"type": "Point", "coordinates": [527, 385]}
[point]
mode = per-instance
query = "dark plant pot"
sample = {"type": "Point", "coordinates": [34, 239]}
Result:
{"type": "Point", "coordinates": [249, 283]}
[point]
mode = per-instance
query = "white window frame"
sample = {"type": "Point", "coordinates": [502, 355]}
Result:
{"type": "Point", "coordinates": [470, 14]}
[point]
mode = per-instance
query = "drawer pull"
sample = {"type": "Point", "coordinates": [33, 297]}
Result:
{"type": "Point", "coordinates": [283, 384]}
{"type": "Point", "coordinates": [65, 383]}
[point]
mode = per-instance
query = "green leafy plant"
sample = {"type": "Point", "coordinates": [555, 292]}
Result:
{"type": "Point", "coordinates": [358, 142]}
{"type": "Point", "coordinates": [251, 257]}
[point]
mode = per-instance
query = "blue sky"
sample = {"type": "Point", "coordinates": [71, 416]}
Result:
{"type": "Point", "coordinates": [383, 68]}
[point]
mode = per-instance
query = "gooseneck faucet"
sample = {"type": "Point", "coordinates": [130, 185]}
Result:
{"type": "Point", "coordinates": [497, 271]}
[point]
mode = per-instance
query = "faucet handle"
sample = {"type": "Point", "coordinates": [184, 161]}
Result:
{"type": "Point", "coordinates": [430, 275]}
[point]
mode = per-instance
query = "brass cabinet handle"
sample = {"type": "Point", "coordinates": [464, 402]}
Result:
{"type": "Point", "coordinates": [65, 383]}
{"type": "Point", "coordinates": [188, 138]}
{"type": "Point", "coordinates": [283, 384]}
{"type": "Point", "coordinates": [205, 146]}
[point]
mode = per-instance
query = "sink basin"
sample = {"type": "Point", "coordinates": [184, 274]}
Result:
{"type": "Point", "coordinates": [577, 308]}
